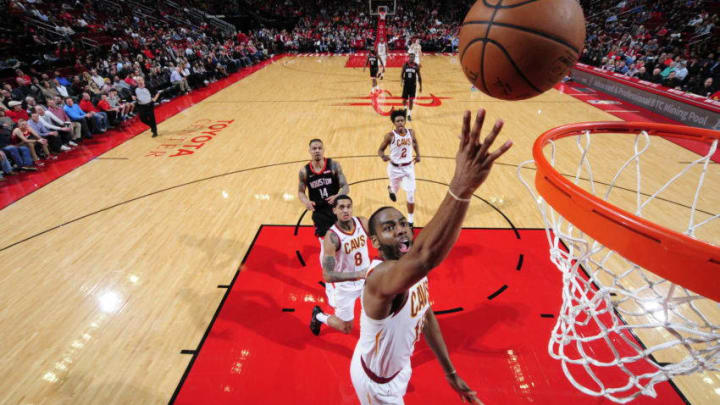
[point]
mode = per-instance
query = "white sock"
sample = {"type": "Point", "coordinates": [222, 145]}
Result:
{"type": "Point", "coordinates": [410, 218]}
{"type": "Point", "coordinates": [322, 318]}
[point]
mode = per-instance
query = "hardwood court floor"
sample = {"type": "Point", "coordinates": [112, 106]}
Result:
{"type": "Point", "coordinates": [110, 271]}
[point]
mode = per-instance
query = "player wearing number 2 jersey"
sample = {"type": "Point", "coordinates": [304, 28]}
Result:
{"type": "Point", "coordinates": [344, 261]}
{"type": "Point", "coordinates": [401, 164]}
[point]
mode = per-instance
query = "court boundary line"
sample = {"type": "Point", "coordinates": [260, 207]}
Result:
{"type": "Point", "coordinates": [242, 73]}
{"type": "Point", "coordinates": [214, 318]}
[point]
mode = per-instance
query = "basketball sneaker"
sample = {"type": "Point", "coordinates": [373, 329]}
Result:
{"type": "Point", "coordinates": [393, 198]}
{"type": "Point", "coordinates": [314, 323]}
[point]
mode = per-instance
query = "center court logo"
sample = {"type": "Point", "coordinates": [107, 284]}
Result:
{"type": "Point", "coordinates": [383, 102]}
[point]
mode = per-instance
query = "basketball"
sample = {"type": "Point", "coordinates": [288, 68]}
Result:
{"type": "Point", "coordinates": [517, 49]}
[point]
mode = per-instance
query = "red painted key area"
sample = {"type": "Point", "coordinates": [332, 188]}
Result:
{"type": "Point", "coordinates": [259, 349]}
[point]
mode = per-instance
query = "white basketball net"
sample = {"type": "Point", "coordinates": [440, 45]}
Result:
{"type": "Point", "coordinates": [622, 329]}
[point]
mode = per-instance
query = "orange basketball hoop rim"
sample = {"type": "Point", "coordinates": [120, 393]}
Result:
{"type": "Point", "coordinates": [679, 258]}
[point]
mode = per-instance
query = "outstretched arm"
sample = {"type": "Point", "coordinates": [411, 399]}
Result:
{"type": "Point", "coordinates": [309, 205]}
{"type": "Point", "coordinates": [434, 338]}
{"type": "Point", "coordinates": [472, 166]}
{"type": "Point", "coordinates": [342, 182]}
{"type": "Point", "coordinates": [331, 244]}
{"type": "Point", "coordinates": [383, 145]}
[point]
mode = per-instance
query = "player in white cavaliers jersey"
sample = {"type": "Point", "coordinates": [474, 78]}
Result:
{"type": "Point", "coordinates": [344, 262]}
{"type": "Point", "coordinates": [396, 300]}
{"type": "Point", "coordinates": [401, 163]}
{"type": "Point", "coordinates": [416, 50]}
{"type": "Point", "coordinates": [382, 54]}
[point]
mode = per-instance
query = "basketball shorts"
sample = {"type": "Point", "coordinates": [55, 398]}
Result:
{"type": "Point", "coordinates": [370, 392]}
{"type": "Point", "coordinates": [342, 297]}
{"type": "Point", "coordinates": [417, 59]}
{"type": "Point", "coordinates": [383, 58]}
{"type": "Point", "coordinates": [373, 72]}
{"type": "Point", "coordinates": [403, 176]}
{"type": "Point", "coordinates": [408, 91]}
{"type": "Point", "coordinates": [323, 218]}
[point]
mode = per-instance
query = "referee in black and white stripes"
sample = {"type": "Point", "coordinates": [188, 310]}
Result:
{"type": "Point", "coordinates": [146, 105]}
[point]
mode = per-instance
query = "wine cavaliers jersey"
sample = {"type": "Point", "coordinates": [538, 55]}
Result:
{"type": "Point", "coordinates": [321, 184]}
{"type": "Point", "coordinates": [385, 346]}
{"type": "Point", "coordinates": [353, 253]}
{"type": "Point", "coordinates": [401, 147]}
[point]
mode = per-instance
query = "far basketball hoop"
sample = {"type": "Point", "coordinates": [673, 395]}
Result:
{"type": "Point", "coordinates": [382, 12]}
{"type": "Point", "coordinates": [641, 270]}
{"type": "Point", "coordinates": [382, 8]}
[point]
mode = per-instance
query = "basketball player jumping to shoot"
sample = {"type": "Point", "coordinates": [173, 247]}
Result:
{"type": "Point", "coordinates": [373, 61]}
{"type": "Point", "coordinates": [396, 301]}
{"type": "Point", "coordinates": [410, 76]}
{"type": "Point", "coordinates": [344, 262]}
{"type": "Point", "coordinates": [401, 164]}
{"type": "Point", "coordinates": [326, 181]}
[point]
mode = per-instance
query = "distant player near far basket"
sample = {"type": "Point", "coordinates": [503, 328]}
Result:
{"type": "Point", "coordinates": [396, 300]}
{"type": "Point", "coordinates": [326, 181]}
{"type": "Point", "coordinates": [415, 49]}
{"type": "Point", "coordinates": [410, 77]}
{"type": "Point", "coordinates": [401, 163]}
{"type": "Point", "coordinates": [344, 262]}
{"type": "Point", "coordinates": [373, 61]}
{"type": "Point", "coordinates": [382, 54]}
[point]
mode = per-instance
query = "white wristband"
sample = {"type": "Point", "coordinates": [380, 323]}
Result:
{"type": "Point", "coordinates": [458, 198]}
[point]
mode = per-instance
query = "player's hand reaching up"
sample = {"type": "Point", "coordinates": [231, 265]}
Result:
{"type": "Point", "coordinates": [461, 387]}
{"type": "Point", "coordinates": [474, 159]}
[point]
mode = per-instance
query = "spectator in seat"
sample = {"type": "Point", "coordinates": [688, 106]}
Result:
{"type": "Point", "coordinates": [126, 109]}
{"type": "Point", "coordinates": [55, 142]}
{"type": "Point", "coordinates": [61, 90]}
{"type": "Point", "coordinates": [22, 79]}
{"type": "Point", "coordinates": [30, 104]}
{"type": "Point", "coordinates": [5, 165]}
{"type": "Point", "coordinates": [48, 91]}
{"type": "Point", "coordinates": [20, 91]}
{"type": "Point", "coordinates": [84, 118]}
{"type": "Point", "coordinates": [16, 112]}
{"type": "Point", "coordinates": [178, 81]}
{"type": "Point", "coordinates": [61, 79]}
{"type": "Point", "coordinates": [96, 78]}
{"type": "Point", "coordinates": [20, 155]}
{"type": "Point", "coordinates": [671, 81]}
{"type": "Point", "coordinates": [100, 118]}
{"type": "Point", "coordinates": [5, 119]}
{"type": "Point", "coordinates": [706, 89]}
{"type": "Point", "coordinates": [23, 135]}
{"type": "Point", "coordinates": [656, 76]}
{"type": "Point", "coordinates": [91, 86]}
{"type": "Point", "coordinates": [53, 123]}
{"type": "Point", "coordinates": [682, 71]}
{"type": "Point", "coordinates": [113, 113]}
{"type": "Point", "coordinates": [56, 111]}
